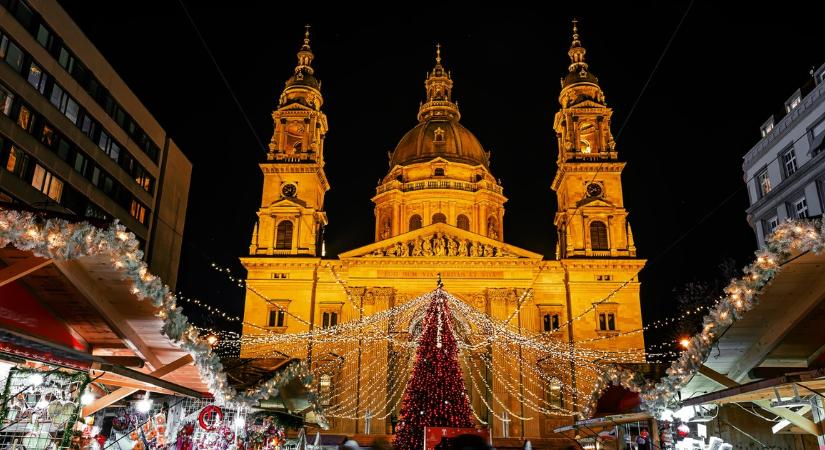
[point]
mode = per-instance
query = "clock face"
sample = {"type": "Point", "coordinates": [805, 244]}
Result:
{"type": "Point", "coordinates": [594, 190]}
{"type": "Point", "coordinates": [289, 190]}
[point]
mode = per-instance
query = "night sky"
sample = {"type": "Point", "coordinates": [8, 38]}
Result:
{"type": "Point", "coordinates": [728, 68]}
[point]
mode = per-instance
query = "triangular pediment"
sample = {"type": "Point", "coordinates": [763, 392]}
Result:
{"type": "Point", "coordinates": [587, 104]}
{"type": "Point", "coordinates": [288, 202]}
{"type": "Point", "coordinates": [595, 202]}
{"type": "Point", "coordinates": [454, 243]}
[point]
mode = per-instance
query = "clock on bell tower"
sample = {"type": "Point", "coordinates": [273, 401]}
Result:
{"type": "Point", "coordinates": [591, 218]}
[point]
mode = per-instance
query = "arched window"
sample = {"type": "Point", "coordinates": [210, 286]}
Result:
{"type": "Point", "coordinates": [439, 218]}
{"type": "Point", "coordinates": [283, 238]}
{"type": "Point", "coordinates": [297, 146]}
{"type": "Point", "coordinates": [463, 222]}
{"type": "Point", "coordinates": [598, 236]}
{"type": "Point", "coordinates": [415, 222]}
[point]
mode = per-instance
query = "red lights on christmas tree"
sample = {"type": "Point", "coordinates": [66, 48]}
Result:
{"type": "Point", "coordinates": [435, 395]}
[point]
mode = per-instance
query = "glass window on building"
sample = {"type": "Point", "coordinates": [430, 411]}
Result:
{"type": "Point", "coordinates": [24, 118]}
{"type": "Point", "coordinates": [137, 210]}
{"type": "Point", "coordinates": [11, 53]}
{"type": "Point", "coordinates": [330, 319]}
{"type": "Point", "coordinates": [771, 224]}
{"type": "Point", "coordinates": [764, 181]}
{"type": "Point", "coordinates": [800, 208]}
{"type": "Point", "coordinates": [789, 162]}
{"type": "Point", "coordinates": [45, 182]}
{"type": "Point", "coordinates": [793, 104]}
{"type": "Point", "coordinates": [607, 321]}
{"type": "Point", "coordinates": [17, 161]}
{"type": "Point", "coordinates": [6, 100]}
{"type": "Point", "coordinates": [277, 318]}
{"type": "Point", "coordinates": [37, 78]}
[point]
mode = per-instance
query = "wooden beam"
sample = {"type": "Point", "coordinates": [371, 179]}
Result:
{"type": "Point", "coordinates": [123, 392]}
{"type": "Point", "coordinates": [717, 377]}
{"type": "Point", "coordinates": [784, 413]}
{"type": "Point", "coordinates": [782, 321]}
{"type": "Point", "coordinates": [783, 424]}
{"type": "Point", "coordinates": [22, 268]}
{"type": "Point", "coordinates": [791, 417]}
{"type": "Point", "coordinates": [90, 289]}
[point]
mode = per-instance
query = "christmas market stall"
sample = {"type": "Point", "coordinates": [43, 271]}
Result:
{"type": "Point", "coordinates": [94, 351]}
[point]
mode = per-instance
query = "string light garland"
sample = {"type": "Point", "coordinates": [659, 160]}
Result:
{"type": "Point", "coordinates": [63, 240]}
{"type": "Point", "coordinates": [741, 295]}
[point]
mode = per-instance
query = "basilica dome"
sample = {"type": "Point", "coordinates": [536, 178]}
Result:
{"type": "Point", "coordinates": [438, 133]}
{"type": "Point", "coordinates": [435, 138]}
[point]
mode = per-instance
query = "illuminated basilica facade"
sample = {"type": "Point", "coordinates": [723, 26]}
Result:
{"type": "Point", "coordinates": [440, 210]}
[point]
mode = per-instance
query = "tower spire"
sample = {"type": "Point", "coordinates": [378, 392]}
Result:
{"type": "Point", "coordinates": [439, 87]}
{"type": "Point", "coordinates": [305, 55]}
{"type": "Point", "coordinates": [576, 51]}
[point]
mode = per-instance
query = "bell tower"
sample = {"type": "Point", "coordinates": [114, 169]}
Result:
{"type": "Point", "coordinates": [292, 217]}
{"type": "Point", "coordinates": [591, 218]}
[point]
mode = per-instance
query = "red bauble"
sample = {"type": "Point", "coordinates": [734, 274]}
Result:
{"type": "Point", "coordinates": [682, 430]}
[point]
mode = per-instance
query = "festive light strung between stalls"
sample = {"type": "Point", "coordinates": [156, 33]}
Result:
{"type": "Point", "coordinates": [741, 295]}
{"type": "Point", "coordinates": [62, 240]}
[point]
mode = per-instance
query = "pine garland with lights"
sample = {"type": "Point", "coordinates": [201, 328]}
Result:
{"type": "Point", "coordinates": [741, 296]}
{"type": "Point", "coordinates": [435, 395]}
{"type": "Point", "coordinates": [63, 240]}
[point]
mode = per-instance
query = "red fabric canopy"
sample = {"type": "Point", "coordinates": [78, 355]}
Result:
{"type": "Point", "coordinates": [20, 311]}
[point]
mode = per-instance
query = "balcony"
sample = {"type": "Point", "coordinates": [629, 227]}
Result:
{"type": "Point", "coordinates": [438, 184]}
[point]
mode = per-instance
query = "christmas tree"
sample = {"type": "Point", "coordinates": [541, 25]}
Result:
{"type": "Point", "coordinates": [435, 395]}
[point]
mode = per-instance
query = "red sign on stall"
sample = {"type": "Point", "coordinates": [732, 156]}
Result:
{"type": "Point", "coordinates": [434, 435]}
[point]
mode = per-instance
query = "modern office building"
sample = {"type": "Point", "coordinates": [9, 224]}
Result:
{"type": "Point", "coordinates": [785, 170]}
{"type": "Point", "coordinates": [75, 139]}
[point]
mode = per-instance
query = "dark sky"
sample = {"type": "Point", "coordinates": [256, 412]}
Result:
{"type": "Point", "coordinates": [728, 68]}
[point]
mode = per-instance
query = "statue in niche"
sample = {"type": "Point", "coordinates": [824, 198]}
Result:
{"type": "Point", "coordinates": [462, 247]}
{"type": "Point", "coordinates": [416, 250]}
{"type": "Point", "coordinates": [403, 249]}
{"type": "Point", "coordinates": [492, 228]}
{"type": "Point", "coordinates": [386, 229]}
{"type": "Point", "coordinates": [427, 247]}
{"type": "Point", "coordinates": [452, 247]}
{"type": "Point", "coordinates": [438, 246]}
{"type": "Point", "coordinates": [474, 250]}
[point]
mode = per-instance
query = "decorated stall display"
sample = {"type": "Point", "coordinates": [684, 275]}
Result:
{"type": "Point", "coordinates": [134, 430]}
{"type": "Point", "coordinates": [40, 407]}
{"type": "Point", "coordinates": [265, 432]}
{"type": "Point", "coordinates": [212, 432]}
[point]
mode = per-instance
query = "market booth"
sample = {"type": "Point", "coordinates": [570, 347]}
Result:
{"type": "Point", "coordinates": [763, 383]}
{"type": "Point", "coordinates": [85, 363]}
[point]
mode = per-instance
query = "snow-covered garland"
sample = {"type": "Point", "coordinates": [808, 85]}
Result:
{"type": "Point", "coordinates": [741, 295]}
{"type": "Point", "coordinates": [63, 240]}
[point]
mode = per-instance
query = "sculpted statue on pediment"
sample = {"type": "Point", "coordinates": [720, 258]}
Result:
{"type": "Point", "coordinates": [440, 245]}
